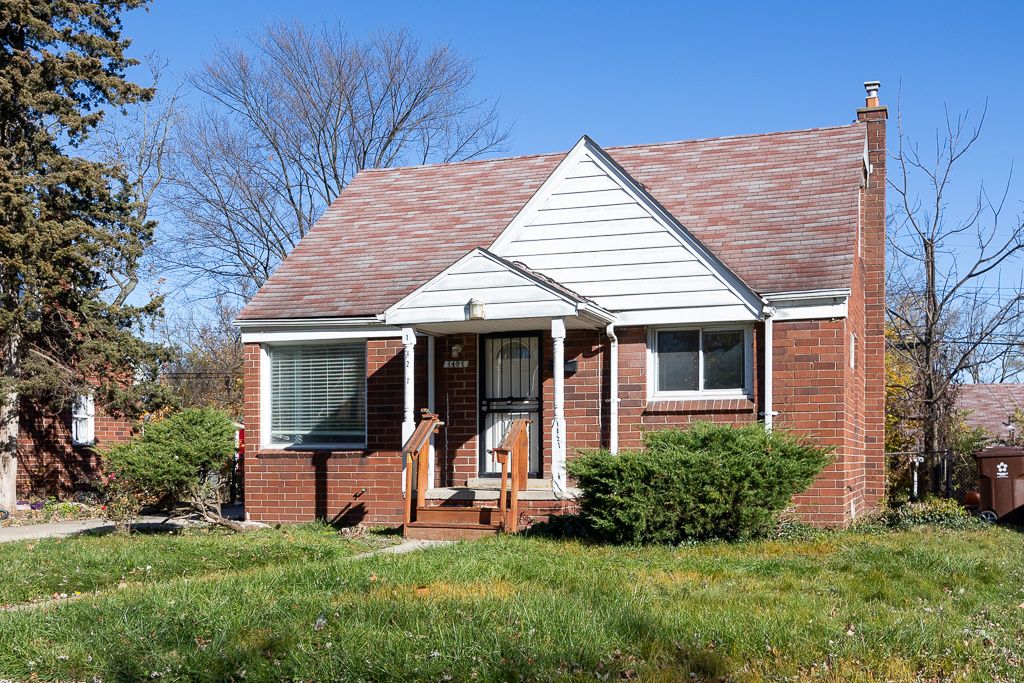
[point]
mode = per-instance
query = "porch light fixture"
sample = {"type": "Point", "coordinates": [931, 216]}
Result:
{"type": "Point", "coordinates": [476, 308]}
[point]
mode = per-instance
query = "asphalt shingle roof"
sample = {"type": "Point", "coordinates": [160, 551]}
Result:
{"type": "Point", "coordinates": [779, 209]}
{"type": "Point", "coordinates": [990, 406]}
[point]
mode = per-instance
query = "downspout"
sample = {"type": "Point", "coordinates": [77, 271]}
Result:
{"type": "Point", "coordinates": [613, 391]}
{"type": "Point", "coordinates": [769, 362]}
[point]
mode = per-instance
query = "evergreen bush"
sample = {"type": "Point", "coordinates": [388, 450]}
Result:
{"type": "Point", "coordinates": [706, 482]}
{"type": "Point", "coordinates": [173, 460]}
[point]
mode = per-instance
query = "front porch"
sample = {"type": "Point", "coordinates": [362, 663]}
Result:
{"type": "Point", "coordinates": [496, 359]}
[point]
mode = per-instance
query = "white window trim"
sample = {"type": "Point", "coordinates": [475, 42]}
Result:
{"type": "Point", "coordinates": [747, 391]}
{"type": "Point", "coordinates": [266, 422]}
{"type": "Point", "coordinates": [853, 350]}
{"type": "Point", "coordinates": [84, 409]}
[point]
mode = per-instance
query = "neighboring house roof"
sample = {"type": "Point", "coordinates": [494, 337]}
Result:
{"type": "Point", "coordinates": [990, 405]}
{"type": "Point", "coordinates": [779, 209]}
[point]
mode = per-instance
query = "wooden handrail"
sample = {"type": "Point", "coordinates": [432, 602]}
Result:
{"type": "Point", "coordinates": [416, 451]}
{"type": "Point", "coordinates": [514, 456]}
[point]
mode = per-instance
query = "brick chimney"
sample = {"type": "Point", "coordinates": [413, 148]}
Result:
{"type": "Point", "coordinates": [870, 266]}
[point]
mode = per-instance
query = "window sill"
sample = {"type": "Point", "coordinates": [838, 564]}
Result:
{"type": "Point", "coordinates": [279, 451]}
{"type": "Point", "coordinates": [701, 404]}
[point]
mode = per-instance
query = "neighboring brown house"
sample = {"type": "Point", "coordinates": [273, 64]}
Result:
{"type": "Point", "coordinates": [991, 406]}
{"type": "Point", "coordinates": [58, 450]}
{"type": "Point", "coordinates": [598, 292]}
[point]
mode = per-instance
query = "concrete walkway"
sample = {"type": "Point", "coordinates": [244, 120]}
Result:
{"type": "Point", "coordinates": [31, 532]}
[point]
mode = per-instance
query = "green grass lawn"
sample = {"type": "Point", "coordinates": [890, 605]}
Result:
{"type": "Point", "coordinates": [921, 606]}
{"type": "Point", "coordinates": [38, 570]}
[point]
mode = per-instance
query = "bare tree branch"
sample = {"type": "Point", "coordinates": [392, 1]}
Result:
{"type": "Point", "coordinates": [951, 314]}
{"type": "Point", "coordinates": [289, 120]}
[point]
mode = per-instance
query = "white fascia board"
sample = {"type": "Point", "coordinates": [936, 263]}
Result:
{"type": "Point", "coordinates": [686, 316]}
{"type": "Point", "coordinates": [595, 313]}
{"type": "Point", "coordinates": [584, 147]}
{"type": "Point", "coordinates": [810, 304]}
{"type": "Point", "coordinates": [823, 312]}
{"type": "Point", "coordinates": [326, 333]}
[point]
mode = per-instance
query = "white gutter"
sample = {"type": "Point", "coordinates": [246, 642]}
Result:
{"type": "Point", "coordinates": [306, 322]}
{"type": "Point", "coordinates": [769, 362]}
{"type": "Point", "coordinates": [613, 392]}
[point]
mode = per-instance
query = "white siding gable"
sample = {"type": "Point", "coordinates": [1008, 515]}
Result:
{"type": "Point", "coordinates": [595, 230]}
{"type": "Point", "coordinates": [506, 292]}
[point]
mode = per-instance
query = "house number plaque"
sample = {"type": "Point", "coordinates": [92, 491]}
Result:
{"type": "Point", "coordinates": [456, 363]}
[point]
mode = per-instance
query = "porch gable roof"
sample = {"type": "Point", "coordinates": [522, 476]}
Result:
{"type": "Point", "coordinates": [510, 294]}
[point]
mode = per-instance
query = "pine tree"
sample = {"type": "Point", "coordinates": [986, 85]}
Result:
{"type": "Point", "coordinates": [71, 235]}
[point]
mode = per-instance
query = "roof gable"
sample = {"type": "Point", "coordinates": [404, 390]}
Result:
{"type": "Point", "coordinates": [594, 228]}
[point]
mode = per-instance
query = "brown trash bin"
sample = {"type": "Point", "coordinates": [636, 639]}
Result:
{"type": "Point", "coordinates": [1001, 480]}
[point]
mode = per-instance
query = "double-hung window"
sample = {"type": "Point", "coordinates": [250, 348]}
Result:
{"type": "Point", "coordinates": [83, 421]}
{"type": "Point", "coordinates": [318, 394]}
{"type": "Point", "coordinates": [698, 362]}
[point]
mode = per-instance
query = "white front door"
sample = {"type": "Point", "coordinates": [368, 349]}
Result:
{"type": "Point", "coordinates": [510, 389]}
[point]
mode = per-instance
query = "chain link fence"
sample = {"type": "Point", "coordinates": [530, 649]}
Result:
{"type": "Point", "coordinates": [932, 473]}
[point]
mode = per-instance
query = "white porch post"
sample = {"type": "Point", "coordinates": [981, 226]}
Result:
{"type": "Point", "coordinates": [408, 414]}
{"type": "Point", "coordinates": [431, 384]}
{"type": "Point", "coordinates": [558, 421]}
{"type": "Point", "coordinates": [769, 365]}
{"type": "Point", "coordinates": [613, 382]}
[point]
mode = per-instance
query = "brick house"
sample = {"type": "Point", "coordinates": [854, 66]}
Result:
{"type": "Point", "coordinates": [58, 450]}
{"type": "Point", "coordinates": [599, 293]}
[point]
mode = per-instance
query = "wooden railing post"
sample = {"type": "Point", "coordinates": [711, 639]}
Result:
{"type": "Point", "coordinates": [416, 452]}
{"type": "Point", "coordinates": [410, 503]}
{"type": "Point", "coordinates": [514, 456]}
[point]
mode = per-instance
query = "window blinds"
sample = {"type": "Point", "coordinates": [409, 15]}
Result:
{"type": "Point", "coordinates": [318, 393]}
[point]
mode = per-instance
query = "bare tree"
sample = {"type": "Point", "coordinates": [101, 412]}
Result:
{"type": "Point", "coordinates": [289, 120]}
{"type": "Point", "coordinates": [139, 141]}
{"type": "Point", "coordinates": [206, 366]}
{"type": "Point", "coordinates": [955, 289]}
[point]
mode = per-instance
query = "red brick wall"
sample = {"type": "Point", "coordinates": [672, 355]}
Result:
{"type": "Point", "coordinates": [48, 463]}
{"type": "Point", "coordinates": [637, 415]}
{"type": "Point", "coordinates": [457, 445]}
{"type": "Point", "coordinates": [345, 487]}
{"type": "Point", "coordinates": [810, 398]}
{"type": "Point", "coordinates": [816, 393]}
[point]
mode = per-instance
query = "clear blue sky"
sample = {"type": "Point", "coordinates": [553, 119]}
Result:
{"type": "Point", "coordinates": [645, 72]}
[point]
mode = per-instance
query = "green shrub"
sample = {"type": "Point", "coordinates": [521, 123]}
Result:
{"type": "Point", "coordinates": [169, 462]}
{"type": "Point", "coordinates": [709, 481]}
{"type": "Point", "coordinates": [943, 513]}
